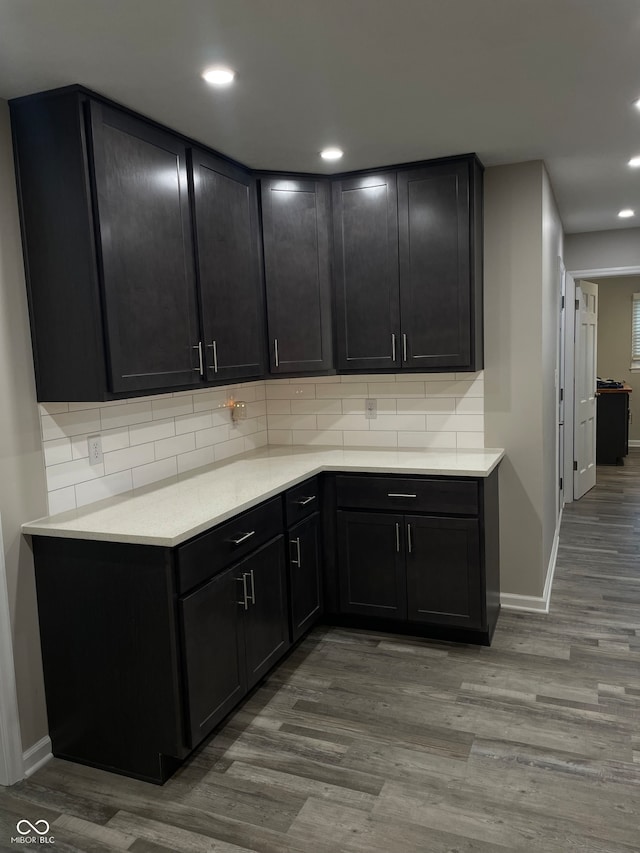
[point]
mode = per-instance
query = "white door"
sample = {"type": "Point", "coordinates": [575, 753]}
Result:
{"type": "Point", "coordinates": [586, 335]}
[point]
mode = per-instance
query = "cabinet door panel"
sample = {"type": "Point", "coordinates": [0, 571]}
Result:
{"type": "Point", "coordinates": [304, 575]}
{"type": "Point", "coordinates": [295, 221]}
{"type": "Point", "coordinates": [435, 271]}
{"type": "Point", "coordinates": [443, 571]}
{"type": "Point", "coordinates": [146, 249]}
{"type": "Point", "coordinates": [371, 565]}
{"type": "Point", "coordinates": [211, 620]}
{"type": "Point", "coordinates": [365, 225]}
{"type": "Point", "coordinates": [225, 205]}
{"type": "Point", "coordinates": [266, 618]}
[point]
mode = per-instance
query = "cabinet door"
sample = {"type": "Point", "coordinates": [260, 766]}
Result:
{"type": "Point", "coordinates": [146, 248]}
{"type": "Point", "coordinates": [435, 268]}
{"type": "Point", "coordinates": [444, 581]}
{"type": "Point", "coordinates": [211, 621]}
{"type": "Point", "coordinates": [365, 228]}
{"type": "Point", "coordinates": [266, 619]}
{"type": "Point", "coordinates": [231, 299]}
{"type": "Point", "coordinates": [295, 223]}
{"type": "Point", "coordinates": [371, 564]}
{"type": "Point", "coordinates": [304, 575]}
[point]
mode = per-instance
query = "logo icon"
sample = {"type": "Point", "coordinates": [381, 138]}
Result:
{"type": "Point", "coordinates": [24, 827]}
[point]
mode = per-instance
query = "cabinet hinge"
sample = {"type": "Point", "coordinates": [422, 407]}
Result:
{"type": "Point", "coordinates": [575, 465]}
{"type": "Point", "coordinates": [561, 394]}
{"type": "Point", "coordinates": [562, 303]}
{"type": "Point", "coordinates": [561, 481]}
{"type": "Point", "coordinates": [577, 304]}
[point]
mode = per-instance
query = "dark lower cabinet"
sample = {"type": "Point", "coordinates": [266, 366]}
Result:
{"type": "Point", "coordinates": [211, 620]}
{"type": "Point", "coordinates": [266, 615]}
{"type": "Point", "coordinates": [443, 571]}
{"type": "Point", "coordinates": [372, 570]}
{"type": "Point", "coordinates": [305, 580]}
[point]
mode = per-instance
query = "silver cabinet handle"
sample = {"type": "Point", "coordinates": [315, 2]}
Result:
{"type": "Point", "coordinates": [243, 581]}
{"type": "Point", "coordinates": [200, 367]}
{"type": "Point", "coordinates": [253, 588]}
{"type": "Point", "coordinates": [397, 537]}
{"type": "Point", "coordinates": [409, 540]}
{"type": "Point", "coordinates": [214, 346]}
{"type": "Point", "coordinates": [305, 501]}
{"type": "Point", "coordinates": [242, 538]}
{"type": "Point", "coordinates": [404, 347]}
{"type": "Point", "coordinates": [393, 347]}
{"type": "Point", "coordinates": [275, 351]}
{"type": "Point", "coordinates": [399, 495]}
{"type": "Point", "coordinates": [296, 542]}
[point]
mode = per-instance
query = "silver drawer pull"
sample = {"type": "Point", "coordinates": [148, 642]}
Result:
{"type": "Point", "coordinates": [409, 538]}
{"type": "Point", "coordinates": [305, 501]}
{"type": "Point", "coordinates": [399, 495]}
{"type": "Point", "coordinates": [243, 581]}
{"type": "Point", "coordinates": [253, 588]}
{"type": "Point", "coordinates": [242, 538]}
{"type": "Point", "coordinates": [397, 537]}
{"type": "Point", "coordinates": [296, 542]}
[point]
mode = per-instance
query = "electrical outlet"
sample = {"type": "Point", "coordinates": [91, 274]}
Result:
{"type": "Point", "coordinates": [371, 409]}
{"type": "Point", "coordinates": [95, 449]}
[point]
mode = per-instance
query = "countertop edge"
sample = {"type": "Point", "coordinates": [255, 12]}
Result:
{"type": "Point", "coordinates": [37, 528]}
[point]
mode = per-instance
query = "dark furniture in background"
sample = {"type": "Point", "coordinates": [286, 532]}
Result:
{"type": "Point", "coordinates": [612, 425]}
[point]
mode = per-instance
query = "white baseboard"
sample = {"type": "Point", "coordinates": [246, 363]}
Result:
{"type": "Point", "coordinates": [634, 442]}
{"type": "Point", "coordinates": [533, 603]}
{"type": "Point", "coordinates": [37, 756]}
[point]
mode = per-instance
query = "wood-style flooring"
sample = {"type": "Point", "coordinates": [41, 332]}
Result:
{"type": "Point", "coordinates": [368, 743]}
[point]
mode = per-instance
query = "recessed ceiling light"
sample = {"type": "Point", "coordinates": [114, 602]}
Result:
{"type": "Point", "coordinates": [331, 153]}
{"type": "Point", "coordinates": [626, 213]}
{"type": "Point", "coordinates": [218, 76]}
{"type": "Point", "coordinates": [635, 162]}
{"type": "Point", "coordinates": [636, 104]}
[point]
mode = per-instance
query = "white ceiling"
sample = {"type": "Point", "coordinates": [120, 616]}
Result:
{"type": "Point", "coordinates": [390, 81]}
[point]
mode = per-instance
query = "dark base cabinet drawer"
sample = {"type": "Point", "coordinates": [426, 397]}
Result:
{"type": "Point", "coordinates": [407, 494]}
{"type": "Point", "coordinates": [302, 500]}
{"type": "Point", "coordinates": [209, 553]}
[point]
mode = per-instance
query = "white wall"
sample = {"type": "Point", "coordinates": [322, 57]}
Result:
{"type": "Point", "coordinates": [597, 250]}
{"type": "Point", "coordinates": [22, 482]}
{"type": "Point", "coordinates": [523, 237]}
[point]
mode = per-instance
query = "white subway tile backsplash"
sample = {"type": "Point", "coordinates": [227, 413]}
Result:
{"type": "Point", "coordinates": [56, 451]}
{"type": "Point", "coordinates": [144, 475]}
{"type": "Point", "coordinates": [195, 459]}
{"type": "Point", "coordinates": [127, 458]}
{"type": "Point", "coordinates": [177, 444]}
{"type": "Point", "coordinates": [61, 500]}
{"type": "Point", "coordinates": [362, 438]}
{"type": "Point", "coordinates": [105, 487]}
{"type": "Point", "coordinates": [121, 416]}
{"type": "Point", "coordinates": [153, 438]}
{"type": "Point", "coordinates": [70, 423]}
{"type": "Point", "coordinates": [154, 431]}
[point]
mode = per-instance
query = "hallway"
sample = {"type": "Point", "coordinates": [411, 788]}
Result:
{"type": "Point", "coordinates": [367, 743]}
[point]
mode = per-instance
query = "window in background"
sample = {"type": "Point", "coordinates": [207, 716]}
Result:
{"type": "Point", "coordinates": [635, 332]}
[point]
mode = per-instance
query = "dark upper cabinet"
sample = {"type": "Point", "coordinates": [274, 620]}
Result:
{"type": "Point", "coordinates": [440, 246]}
{"type": "Point", "coordinates": [365, 272]}
{"type": "Point", "coordinates": [295, 228]}
{"type": "Point", "coordinates": [229, 275]}
{"type": "Point", "coordinates": [144, 240]}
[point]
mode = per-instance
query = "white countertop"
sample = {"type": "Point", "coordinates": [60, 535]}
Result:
{"type": "Point", "coordinates": [172, 511]}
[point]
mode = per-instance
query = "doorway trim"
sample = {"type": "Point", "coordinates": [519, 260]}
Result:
{"type": "Point", "coordinates": [11, 759]}
{"type": "Point", "coordinates": [569, 368]}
